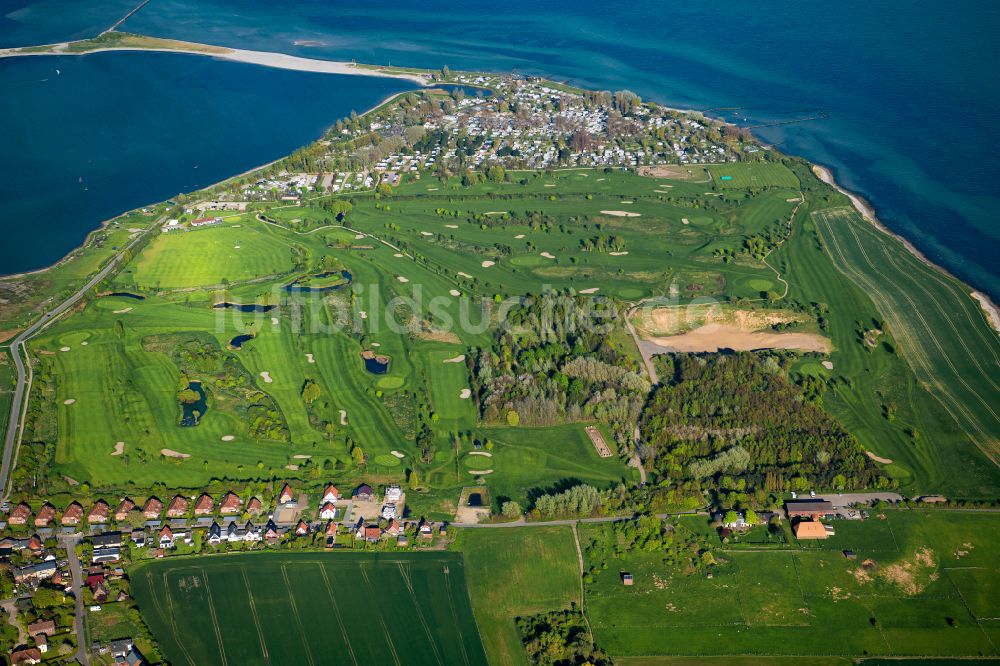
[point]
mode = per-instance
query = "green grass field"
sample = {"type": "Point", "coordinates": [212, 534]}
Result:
{"type": "Point", "coordinates": [918, 588]}
{"type": "Point", "coordinates": [515, 572]}
{"type": "Point", "coordinates": [310, 608]}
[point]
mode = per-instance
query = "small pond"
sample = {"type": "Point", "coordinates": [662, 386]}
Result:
{"type": "Point", "coordinates": [189, 418]}
{"type": "Point", "coordinates": [475, 499]}
{"type": "Point", "coordinates": [245, 308]}
{"type": "Point", "coordinates": [375, 364]}
{"type": "Point", "coordinates": [127, 294]}
{"type": "Point", "coordinates": [237, 342]}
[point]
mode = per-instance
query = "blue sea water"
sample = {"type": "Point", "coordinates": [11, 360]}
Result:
{"type": "Point", "coordinates": [910, 89]}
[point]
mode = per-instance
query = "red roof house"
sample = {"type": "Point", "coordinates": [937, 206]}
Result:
{"type": "Point", "coordinates": [286, 496]}
{"type": "Point", "coordinates": [152, 508]}
{"type": "Point", "coordinates": [45, 515]}
{"type": "Point", "coordinates": [231, 503]}
{"type": "Point", "coordinates": [20, 514]}
{"type": "Point", "coordinates": [254, 507]}
{"type": "Point", "coordinates": [204, 505]}
{"type": "Point", "coordinates": [126, 505]}
{"type": "Point", "coordinates": [99, 512]}
{"type": "Point", "coordinates": [73, 514]}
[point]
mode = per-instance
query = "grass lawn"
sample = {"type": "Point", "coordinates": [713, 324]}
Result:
{"type": "Point", "coordinates": [310, 608]}
{"type": "Point", "coordinates": [515, 572]}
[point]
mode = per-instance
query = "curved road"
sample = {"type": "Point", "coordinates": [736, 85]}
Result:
{"type": "Point", "coordinates": [17, 346]}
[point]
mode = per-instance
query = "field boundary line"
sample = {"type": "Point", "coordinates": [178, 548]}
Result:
{"type": "Point", "coordinates": [336, 612]}
{"type": "Point", "coordinates": [298, 618]}
{"type": "Point", "coordinates": [215, 618]}
{"type": "Point", "coordinates": [256, 620]}
{"type": "Point", "coordinates": [416, 604]}
{"type": "Point", "coordinates": [965, 604]}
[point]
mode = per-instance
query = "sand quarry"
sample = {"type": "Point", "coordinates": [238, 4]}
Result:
{"type": "Point", "coordinates": [715, 337]}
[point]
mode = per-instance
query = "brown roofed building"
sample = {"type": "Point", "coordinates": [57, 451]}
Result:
{"type": "Point", "coordinates": [73, 514]}
{"type": "Point", "coordinates": [177, 508]}
{"type": "Point", "coordinates": [99, 512]}
{"type": "Point", "coordinates": [254, 507]}
{"type": "Point", "coordinates": [26, 656]}
{"type": "Point", "coordinates": [814, 509]}
{"type": "Point", "coordinates": [35, 543]}
{"type": "Point", "coordinates": [231, 503]}
{"type": "Point", "coordinates": [331, 529]}
{"type": "Point", "coordinates": [204, 505]}
{"type": "Point", "coordinates": [302, 528]}
{"type": "Point", "coordinates": [46, 627]}
{"type": "Point", "coordinates": [20, 515]}
{"type": "Point", "coordinates": [152, 508]}
{"type": "Point", "coordinates": [126, 505]}
{"type": "Point", "coordinates": [331, 494]}
{"type": "Point", "coordinates": [45, 515]}
{"type": "Point", "coordinates": [393, 528]}
{"type": "Point", "coordinates": [286, 495]}
{"type": "Point", "coordinates": [810, 529]}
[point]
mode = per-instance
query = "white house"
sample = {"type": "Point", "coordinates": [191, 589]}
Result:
{"type": "Point", "coordinates": [328, 512]}
{"type": "Point", "coordinates": [331, 494]}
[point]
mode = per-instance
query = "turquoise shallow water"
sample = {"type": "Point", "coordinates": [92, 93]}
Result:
{"type": "Point", "coordinates": [910, 89]}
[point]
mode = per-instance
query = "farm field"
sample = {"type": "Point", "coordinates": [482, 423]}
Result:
{"type": "Point", "coordinates": [514, 572]}
{"type": "Point", "coordinates": [907, 594]}
{"type": "Point", "coordinates": [310, 608]}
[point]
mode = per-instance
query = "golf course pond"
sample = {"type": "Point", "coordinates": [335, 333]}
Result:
{"type": "Point", "coordinates": [376, 364]}
{"type": "Point", "coordinates": [245, 308]}
{"type": "Point", "coordinates": [237, 342]}
{"type": "Point", "coordinates": [327, 281]}
{"type": "Point", "coordinates": [194, 411]}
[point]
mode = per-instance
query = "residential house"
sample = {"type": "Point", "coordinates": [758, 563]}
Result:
{"type": "Point", "coordinates": [286, 496]}
{"type": "Point", "coordinates": [424, 530]}
{"type": "Point", "coordinates": [810, 509]}
{"type": "Point", "coordinates": [107, 540]}
{"type": "Point", "coordinates": [45, 515]}
{"type": "Point", "coordinates": [120, 647]}
{"type": "Point", "coordinates": [204, 505]}
{"type": "Point", "coordinates": [369, 533]}
{"type": "Point", "coordinates": [73, 514]}
{"type": "Point", "coordinates": [331, 494]}
{"type": "Point", "coordinates": [810, 529]}
{"type": "Point", "coordinates": [271, 532]}
{"type": "Point", "coordinates": [139, 538]}
{"type": "Point", "coordinates": [99, 512]}
{"type": "Point", "coordinates": [177, 508]}
{"type": "Point", "coordinates": [251, 533]}
{"type": "Point", "coordinates": [37, 571]}
{"type": "Point", "coordinates": [152, 508]}
{"type": "Point", "coordinates": [230, 503]}
{"type": "Point", "coordinates": [166, 537]}
{"type": "Point", "coordinates": [215, 534]}
{"type": "Point", "coordinates": [393, 493]}
{"type": "Point", "coordinates": [331, 534]}
{"type": "Point", "coordinates": [20, 515]}
{"type": "Point", "coordinates": [388, 511]}
{"type": "Point", "coordinates": [42, 627]}
{"type": "Point", "coordinates": [254, 507]}
{"type": "Point", "coordinates": [393, 529]}
{"type": "Point", "coordinates": [328, 512]}
{"type": "Point", "coordinates": [26, 656]}
{"type": "Point", "coordinates": [42, 643]}
{"type": "Point", "coordinates": [302, 528]}
{"type": "Point", "coordinates": [363, 493]}
{"type": "Point", "coordinates": [34, 544]}
{"type": "Point", "coordinates": [402, 540]}
{"type": "Point", "coordinates": [112, 554]}
{"type": "Point", "coordinates": [124, 507]}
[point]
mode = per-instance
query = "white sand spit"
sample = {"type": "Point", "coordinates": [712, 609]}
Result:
{"type": "Point", "coordinates": [64, 349]}
{"type": "Point", "coordinates": [228, 438]}
{"type": "Point", "coordinates": [266, 376]}
{"type": "Point", "coordinates": [343, 417]}
{"type": "Point", "coordinates": [402, 279]}
{"type": "Point", "coordinates": [465, 275]}
{"type": "Point", "coordinates": [398, 454]}
{"type": "Point", "coordinates": [455, 292]}
{"type": "Point", "coordinates": [119, 449]}
{"type": "Point", "coordinates": [455, 359]}
{"type": "Point", "coordinates": [480, 472]}
{"type": "Point", "coordinates": [488, 263]}
{"type": "Point", "coordinates": [123, 311]}
{"type": "Point", "coordinates": [592, 290]}
{"type": "Point", "coordinates": [828, 365]}
{"type": "Point", "coordinates": [548, 255]}
{"type": "Point", "coordinates": [620, 213]}
{"type": "Point", "coordinates": [618, 254]}
{"type": "Point", "coordinates": [69, 401]}
{"type": "Point", "coordinates": [481, 453]}
{"type": "Point", "coordinates": [519, 237]}
{"type": "Point", "coordinates": [465, 394]}
{"type": "Point", "coordinates": [170, 453]}
{"type": "Point", "coordinates": [310, 358]}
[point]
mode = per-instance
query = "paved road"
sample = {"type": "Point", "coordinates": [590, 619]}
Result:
{"type": "Point", "coordinates": [18, 354]}
{"type": "Point", "coordinates": [521, 522]}
{"type": "Point", "coordinates": [69, 542]}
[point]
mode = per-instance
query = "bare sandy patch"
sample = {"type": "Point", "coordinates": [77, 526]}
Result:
{"type": "Point", "coordinates": [548, 255]}
{"type": "Point", "coordinates": [376, 344]}
{"type": "Point", "coordinates": [878, 459]}
{"type": "Point", "coordinates": [827, 364]}
{"type": "Point", "coordinates": [362, 314]}
{"type": "Point", "coordinates": [119, 449]}
{"type": "Point", "coordinates": [465, 275]}
{"type": "Point", "coordinates": [989, 308]}
{"type": "Point", "coordinates": [481, 453]}
{"type": "Point", "coordinates": [465, 394]}
{"type": "Point", "coordinates": [519, 237]}
{"type": "Point", "coordinates": [69, 401]}
{"type": "Point", "coordinates": [715, 337]}
{"type": "Point", "coordinates": [170, 453]}
{"type": "Point", "coordinates": [398, 454]}
{"type": "Point", "coordinates": [673, 320]}
{"type": "Point", "coordinates": [228, 438]}
{"type": "Point", "coordinates": [309, 357]}
{"type": "Point", "coordinates": [266, 376]}
{"type": "Point", "coordinates": [672, 171]}
{"type": "Point", "coordinates": [618, 254]}
{"type": "Point", "coordinates": [343, 417]}
{"type": "Point", "coordinates": [488, 263]}
{"type": "Point", "coordinates": [591, 290]}
{"type": "Point", "coordinates": [793, 200]}
{"type": "Point", "coordinates": [454, 292]}
{"type": "Point", "coordinates": [620, 213]}
{"type": "Point", "coordinates": [122, 311]}
{"type": "Point", "coordinates": [432, 189]}
{"type": "Point", "coordinates": [455, 359]}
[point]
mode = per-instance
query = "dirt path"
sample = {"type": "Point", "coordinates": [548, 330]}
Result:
{"type": "Point", "coordinates": [10, 606]}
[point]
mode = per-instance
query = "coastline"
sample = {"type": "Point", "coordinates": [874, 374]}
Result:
{"type": "Point", "coordinates": [990, 309]}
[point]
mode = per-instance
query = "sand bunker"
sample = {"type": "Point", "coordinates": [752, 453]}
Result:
{"type": "Point", "coordinates": [376, 344]}
{"type": "Point", "coordinates": [266, 376]}
{"type": "Point", "coordinates": [480, 472]}
{"type": "Point", "coordinates": [549, 185]}
{"type": "Point", "coordinates": [119, 449]}
{"type": "Point", "coordinates": [170, 453]}
{"type": "Point", "coordinates": [684, 220]}
{"type": "Point", "coordinates": [309, 357]}
{"type": "Point", "coordinates": [465, 275]}
{"type": "Point", "coordinates": [713, 337]}
{"type": "Point", "coordinates": [123, 311]}
{"type": "Point", "coordinates": [274, 321]}
{"type": "Point", "coordinates": [878, 459]}
{"type": "Point", "coordinates": [402, 279]}
{"type": "Point", "coordinates": [519, 237]}
{"type": "Point", "coordinates": [592, 290]}
{"type": "Point", "coordinates": [464, 395]}
{"type": "Point", "coordinates": [481, 453]}
{"type": "Point", "coordinates": [432, 189]}
{"type": "Point", "coordinates": [488, 263]}
{"type": "Point", "coordinates": [451, 226]}
{"type": "Point", "coordinates": [620, 213]}
{"type": "Point", "coordinates": [343, 417]}
{"type": "Point", "coordinates": [455, 292]}
{"type": "Point", "coordinates": [828, 365]}
{"type": "Point", "coordinates": [362, 314]}
{"type": "Point", "coordinates": [426, 233]}
{"type": "Point", "coordinates": [228, 438]}
{"type": "Point", "coordinates": [455, 359]}
{"type": "Point", "coordinates": [398, 255]}
{"type": "Point", "coordinates": [84, 343]}
{"type": "Point", "coordinates": [301, 456]}
{"type": "Point", "coordinates": [397, 454]}
{"type": "Point", "coordinates": [64, 349]}
{"type": "Point", "coordinates": [618, 254]}
{"type": "Point", "coordinates": [294, 468]}
{"type": "Point", "coordinates": [548, 255]}
{"type": "Point", "coordinates": [358, 236]}
{"type": "Point", "coordinates": [69, 401]}
{"type": "Point", "coordinates": [626, 202]}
